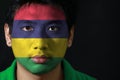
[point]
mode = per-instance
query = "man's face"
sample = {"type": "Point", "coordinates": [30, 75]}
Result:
{"type": "Point", "coordinates": [39, 37]}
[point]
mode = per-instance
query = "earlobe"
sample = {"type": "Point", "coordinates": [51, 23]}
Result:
{"type": "Point", "coordinates": [7, 35]}
{"type": "Point", "coordinates": [71, 35]}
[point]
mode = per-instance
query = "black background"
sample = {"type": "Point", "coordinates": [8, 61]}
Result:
{"type": "Point", "coordinates": [94, 49]}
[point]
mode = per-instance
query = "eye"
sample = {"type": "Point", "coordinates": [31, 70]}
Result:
{"type": "Point", "coordinates": [27, 28]}
{"type": "Point", "coordinates": [53, 28]}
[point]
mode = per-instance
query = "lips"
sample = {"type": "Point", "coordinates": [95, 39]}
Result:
{"type": "Point", "coordinates": [40, 59]}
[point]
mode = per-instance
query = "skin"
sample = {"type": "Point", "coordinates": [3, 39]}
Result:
{"type": "Point", "coordinates": [26, 65]}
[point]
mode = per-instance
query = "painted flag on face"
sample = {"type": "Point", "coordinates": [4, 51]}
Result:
{"type": "Point", "coordinates": [39, 30]}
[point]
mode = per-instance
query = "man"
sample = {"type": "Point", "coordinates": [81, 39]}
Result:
{"type": "Point", "coordinates": [39, 32]}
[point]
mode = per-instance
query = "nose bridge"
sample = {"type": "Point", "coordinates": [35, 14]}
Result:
{"type": "Point", "coordinates": [40, 30]}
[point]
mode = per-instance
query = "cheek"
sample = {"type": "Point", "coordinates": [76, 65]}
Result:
{"type": "Point", "coordinates": [21, 47]}
{"type": "Point", "coordinates": [57, 46]}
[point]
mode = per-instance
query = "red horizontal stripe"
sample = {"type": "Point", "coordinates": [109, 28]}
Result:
{"type": "Point", "coordinates": [39, 12]}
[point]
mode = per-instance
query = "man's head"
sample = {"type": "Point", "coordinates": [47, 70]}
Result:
{"type": "Point", "coordinates": [39, 35]}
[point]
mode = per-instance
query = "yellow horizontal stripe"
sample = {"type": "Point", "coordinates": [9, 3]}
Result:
{"type": "Point", "coordinates": [26, 47]}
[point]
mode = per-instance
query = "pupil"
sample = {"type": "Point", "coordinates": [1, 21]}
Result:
{"type": "Point", "coordinates": [27, 27]}
{"type": "Point", "coordinates": [52, 28]}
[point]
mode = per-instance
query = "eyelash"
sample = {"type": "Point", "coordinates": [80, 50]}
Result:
{"type": "Point", "coordinates": [53, 26]}
{"type": "Point", "coordinates": [30, 28]}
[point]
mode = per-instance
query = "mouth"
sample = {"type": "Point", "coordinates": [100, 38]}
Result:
{"type": "Point", "coordinates": [40, 59]}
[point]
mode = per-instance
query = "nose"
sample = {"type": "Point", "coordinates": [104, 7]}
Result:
{"type": "Point", "coordinates": [40, 44]}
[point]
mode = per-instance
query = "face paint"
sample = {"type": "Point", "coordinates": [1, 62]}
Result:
{"type": "Point", "coordinates": [39, 30]}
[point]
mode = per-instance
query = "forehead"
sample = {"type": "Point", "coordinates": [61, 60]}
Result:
{"type": "Point", "coordinates": [39, 12]}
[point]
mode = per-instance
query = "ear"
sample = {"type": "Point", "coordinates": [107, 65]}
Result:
{"type": "Point", "coordinates": [7, 35]}
{"type": "Point", "coordinates": [71, 35]}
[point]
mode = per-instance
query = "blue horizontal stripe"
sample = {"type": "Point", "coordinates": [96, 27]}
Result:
{"type": "Point", "coordinates": [40, 29]}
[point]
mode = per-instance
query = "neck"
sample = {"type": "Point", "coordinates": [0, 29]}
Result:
{"type": "Point", "coordinates": [55, 74]}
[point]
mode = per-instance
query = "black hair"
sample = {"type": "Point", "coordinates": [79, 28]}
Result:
{"type": "Point", "coordinates": [69, 7]}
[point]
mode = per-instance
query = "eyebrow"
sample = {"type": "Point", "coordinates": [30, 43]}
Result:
{"type": "Point", "coordinates": [26, 22]}
{"type": "Point", "coordinates": [55, 21]}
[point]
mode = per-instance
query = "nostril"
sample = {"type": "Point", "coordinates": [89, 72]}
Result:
{"type": "Point", "coordinates": [35, 47]}
{"type": "Point", "coordinates": [42, 48]}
